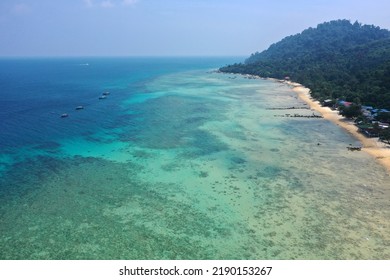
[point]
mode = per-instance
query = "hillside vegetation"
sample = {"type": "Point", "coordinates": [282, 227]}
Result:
{"type": "Point", "coordinates": [336, 60]}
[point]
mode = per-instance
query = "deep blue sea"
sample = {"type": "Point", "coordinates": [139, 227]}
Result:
{"type": "Point", "coordinates": [35, 92]}
{"type": "Point", "coordinates": [177, 162]}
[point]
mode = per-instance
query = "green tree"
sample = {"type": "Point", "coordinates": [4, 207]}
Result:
{"type": "Point", "coordinates": [350, 112]}
{"type": "Point", "coordinates": [384, 117]}
{"type": "Point", "coordinates": [384, 136]}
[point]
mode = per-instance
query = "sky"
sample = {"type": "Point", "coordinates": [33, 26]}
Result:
{"type": "Point", "coordinates": [167, 27]}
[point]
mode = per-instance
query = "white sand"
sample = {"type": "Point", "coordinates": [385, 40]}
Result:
{"type": "Point", "coordinates": [372, 146]}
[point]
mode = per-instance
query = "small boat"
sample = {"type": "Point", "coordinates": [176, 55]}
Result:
{"type": "Point", "coordinates": [79, 107]}
{"type": "Point", "coordinates": [106, 93]}
{"type": "Point", "coordinates": [64, 115]}
{"type": "Point", "coordinates": [103, 97]}
{"type": "Point", "coordinates": [354, 148]}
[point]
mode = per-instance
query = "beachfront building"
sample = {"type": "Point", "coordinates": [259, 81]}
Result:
{"type": "Point", "coordinates": [366, 111]}
{"type": "Point", "coordinates": [328, 103]}
{"type": "Point", "coordinates": [344, 103]}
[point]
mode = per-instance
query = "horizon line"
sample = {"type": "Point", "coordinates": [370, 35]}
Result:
{"type": "Point", "coordinates": [123, 56]}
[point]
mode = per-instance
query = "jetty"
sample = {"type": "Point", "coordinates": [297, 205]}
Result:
{"type": "Point", "coordinates": [313, 116]}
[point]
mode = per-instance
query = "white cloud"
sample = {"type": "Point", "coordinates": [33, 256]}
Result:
{"type": "Point", "coordinates": [129, 2]}
{"type": "Point", "coordinates": [89, 3]}
{"type": "Point", "coordinates": [21, 8]}
{"type": "Point", "coordinates": [109, 3]}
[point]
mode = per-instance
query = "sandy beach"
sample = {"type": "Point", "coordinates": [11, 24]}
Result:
{"type": "Point", "coordinates": [372, 146]}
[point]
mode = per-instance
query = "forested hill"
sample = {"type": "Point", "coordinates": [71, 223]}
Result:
{"type": "Point", "coordinates": [337, 59]}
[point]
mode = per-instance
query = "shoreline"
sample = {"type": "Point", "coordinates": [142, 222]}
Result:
{"type": "Point", "coordinates": [380, 151]}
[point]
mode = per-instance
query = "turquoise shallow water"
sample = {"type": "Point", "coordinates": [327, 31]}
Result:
{"type": "Point", "coordinates": [189, 164]}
